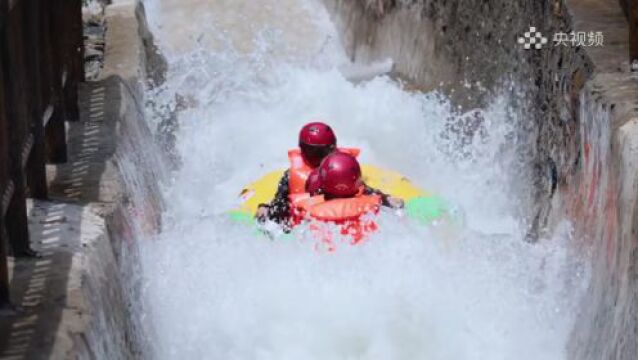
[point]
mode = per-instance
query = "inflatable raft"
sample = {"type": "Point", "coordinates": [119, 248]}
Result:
{"type": "Point", "coordinates": [420, 205]}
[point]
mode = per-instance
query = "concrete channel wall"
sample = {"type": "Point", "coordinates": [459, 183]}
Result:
{"type": "Point", "coordinates": [583, 106]}
{"type": "Point", "coordinates": [79, 299]}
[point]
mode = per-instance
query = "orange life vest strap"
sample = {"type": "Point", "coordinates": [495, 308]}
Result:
{"type": "Point", "coordinates": [305, 201]}
{"type": "Point", "coordinates": [335, 209]}
{"type": "Point", "coordinates": [345, 209]}
{"type": "Point", "coordinates": [299, 172]}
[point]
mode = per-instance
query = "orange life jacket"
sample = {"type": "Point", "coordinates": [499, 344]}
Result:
{"type": "Point", "coordinates": [299, 170]}
{"type": "Point", "coordinates": [347, 213]}
{"type": "Point", "coordinates": [335, 210]}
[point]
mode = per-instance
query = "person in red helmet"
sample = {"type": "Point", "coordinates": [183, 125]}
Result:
{"type": "Point", "coordinates": [343, 199]}
{"type": "Point", "coordinates": [316, 141]}
{"type": "Point", "coordinates": [340, 176]}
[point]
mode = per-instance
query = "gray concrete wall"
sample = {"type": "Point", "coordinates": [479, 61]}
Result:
{"type": "Point", "coordinates": [581, 109]}
{"type": "Point", "coordinates": [448, 45]}
{"type": "Point", "coordinates": [79, 300]}
{"type": "Point", "coordinates": [135, 215]}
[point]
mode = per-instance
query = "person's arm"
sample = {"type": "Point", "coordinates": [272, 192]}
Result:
{"type": "Point", "coordinates": [386, 200]}
{"type": "Point", "coordinates": [278, 209]}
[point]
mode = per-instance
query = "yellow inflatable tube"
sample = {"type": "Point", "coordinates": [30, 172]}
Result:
{"type": "Point", "coordinates": [420, 204]}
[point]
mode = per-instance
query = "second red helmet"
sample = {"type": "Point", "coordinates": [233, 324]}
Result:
{"type": "Point", "coordinates": [340, 175]}
{"type": "Point", "coordinates": [316, 140]}
{"type": "Point", "coordinates": [317, 134]}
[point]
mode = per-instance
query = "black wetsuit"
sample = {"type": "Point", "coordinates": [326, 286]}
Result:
{"type": "Point", "coordinates": [279, 207]}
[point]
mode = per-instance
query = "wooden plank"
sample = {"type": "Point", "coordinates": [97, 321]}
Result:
{"type": "Point", "coordinates": [74, 57]}
{"type": "Point", "coordinates": [33, 154]}
{"type": "Point", "coordinates": [4, 137]}
{"type": "Point", "coordinates": [6, 186]}
{"type": "Point", "coordinates": [17, 114]}
{"type": "Point", "coordinates": [55, 133]}
{"type": "Point", "coordinates": [46, 66]}
{"type": "Point", "coordinates": [51, 87]}
{"type": "Point", "coordinates": [632, 17]}
{"type": "Point", "coordinates": [5, 296]}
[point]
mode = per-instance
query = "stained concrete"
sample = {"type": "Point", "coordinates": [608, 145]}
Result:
{"type": "Point", "coordinates": [469, 51]}
{"type": "Point", "coordinates": [603, 200]}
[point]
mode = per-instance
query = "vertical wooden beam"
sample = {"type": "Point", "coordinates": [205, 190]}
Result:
{"type": "Point", "coordinates": [5, 296]}
{"type": "Point", "coordinates": [74, 57]}
{"type": "Point", "coordinates": [13, 52]}
{"type": "Point", "coordinates": [46, 66]}
{"type": "Point", "coordinates": [5, 286]}
{"type": "Point", "coordinates": [632, 17]}
{"type": "Point", "coordinates": [4, 167]}
{"type": "Point", "coordinates": [55, 131]}
{"type": "Point", "coordinates": [35, 169]}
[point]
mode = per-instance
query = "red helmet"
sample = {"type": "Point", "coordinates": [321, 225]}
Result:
{"type": "Point", "coordinates": [316, 141]}
{"type": "Point", "coordinates": [340, 175]}
{"type": "Point", "coordinates": [313, 184]}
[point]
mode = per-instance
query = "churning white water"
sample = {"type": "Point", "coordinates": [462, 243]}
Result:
{"type": "Point", "coordinates": [246, 75]}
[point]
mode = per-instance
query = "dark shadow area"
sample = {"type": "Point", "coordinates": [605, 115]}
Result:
{"type": "Point", "coordinates": [40, 286]}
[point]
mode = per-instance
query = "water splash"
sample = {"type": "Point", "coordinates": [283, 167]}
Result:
{"type": "Point", "coordinates": [218, 290]}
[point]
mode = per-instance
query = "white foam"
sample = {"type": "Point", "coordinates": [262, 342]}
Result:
{"type": "Point", "coordinates": [218, 290]}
